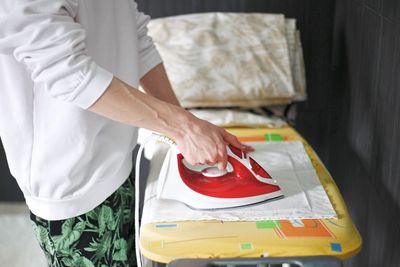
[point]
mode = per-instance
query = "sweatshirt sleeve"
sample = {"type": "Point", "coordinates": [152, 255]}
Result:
{"type": "Point", "coordinates": [148, 54]}
{"type": "Point", "coordinates": [43, 36]}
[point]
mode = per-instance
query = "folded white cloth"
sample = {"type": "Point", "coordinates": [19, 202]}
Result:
{"type": "Point", "coordinates": [237, 118]}
{"type": "Point", "coordinates": [287, 162]}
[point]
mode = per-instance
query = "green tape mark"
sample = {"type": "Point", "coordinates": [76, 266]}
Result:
{"type": "Point", "coordinates": [246, 246]}
{"type": "Point", "coordinates": [268, 224]}
{"type": "Point", "coordinates": [273, 137]}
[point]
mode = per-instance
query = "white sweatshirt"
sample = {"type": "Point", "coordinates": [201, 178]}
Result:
{"type": "Point", "coordinates": [57, 57]}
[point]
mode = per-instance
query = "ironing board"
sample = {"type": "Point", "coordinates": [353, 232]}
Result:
{"type": "Point", "coordinates": [165, 242]}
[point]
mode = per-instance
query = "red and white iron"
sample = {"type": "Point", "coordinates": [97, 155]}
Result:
{"type": "Point", "coordinates": [244, 182]}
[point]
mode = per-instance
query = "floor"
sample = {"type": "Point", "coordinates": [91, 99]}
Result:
{"type": "Point", "coordinates": [18, 245]}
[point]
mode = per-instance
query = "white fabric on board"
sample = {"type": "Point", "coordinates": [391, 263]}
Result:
{"type": "Point", "coordinates": [287, 162]}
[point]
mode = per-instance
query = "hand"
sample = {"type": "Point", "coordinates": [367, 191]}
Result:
{"type": "Point", "coordinates": [199, 141]}
{"type": "Point", "coordinates": [205, 143]}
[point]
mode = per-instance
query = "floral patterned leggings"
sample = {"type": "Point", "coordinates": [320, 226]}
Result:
{"type": "Point", "coordinates": [103, 237]}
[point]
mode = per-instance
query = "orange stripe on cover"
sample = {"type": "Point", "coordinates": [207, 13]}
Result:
{"type": "Point", "coordinates": [259, 138]}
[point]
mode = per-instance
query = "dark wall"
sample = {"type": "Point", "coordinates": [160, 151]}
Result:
{"type": "Point", "coordinates": [364, 123]}
{"type": "Point", "coordinates": [9, 190]}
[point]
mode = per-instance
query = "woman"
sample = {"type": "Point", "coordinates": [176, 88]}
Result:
{"type": "Point", "coordinates": [70, 111]}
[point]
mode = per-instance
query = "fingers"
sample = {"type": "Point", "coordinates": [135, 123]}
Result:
{"type": "Point", "coordinates": [219, 157]}
{"type": "Point", "coordinates": [247, 148]}
{"type": "Point", "coordinates": [222, 157]}
{"type": "Point", "coordinates": [222, 166]}
{"type": "Point", "coordinates": [233, 140]}
{"type": "Point", "coordinates": [205, 143]}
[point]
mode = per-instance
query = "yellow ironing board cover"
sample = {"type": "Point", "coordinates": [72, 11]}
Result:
{"type": "Point", "coordinates": [164, 242]}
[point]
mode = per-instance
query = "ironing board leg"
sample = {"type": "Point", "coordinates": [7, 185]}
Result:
{"type": "Point", "coordinates": [156, 264]}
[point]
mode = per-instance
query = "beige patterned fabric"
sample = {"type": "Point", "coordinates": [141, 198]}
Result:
{"type": "Point", "coordinates": [231, 59]}
{"type": "Point", "coordinates": [296, 60]}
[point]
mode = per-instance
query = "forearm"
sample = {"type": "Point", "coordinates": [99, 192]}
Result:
{"type": "Point", "coordinates": [198, 140]}
{"type": "Point", "coordinates": [156, 83]}
{"type": "Point", "coordinates": [125, 104]}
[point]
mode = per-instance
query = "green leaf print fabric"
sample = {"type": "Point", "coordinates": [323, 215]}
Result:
{"type": "Point", "coordinates": [103, 237]}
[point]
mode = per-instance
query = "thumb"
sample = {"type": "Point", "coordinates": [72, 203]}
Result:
{"type": "Point", "coordinates": [222, 166]}
{"type": "Point", "coordinates": [222, 158]}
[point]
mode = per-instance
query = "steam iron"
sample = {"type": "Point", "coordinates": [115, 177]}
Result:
{"type": "Point", "coordinates": [244, 182]}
